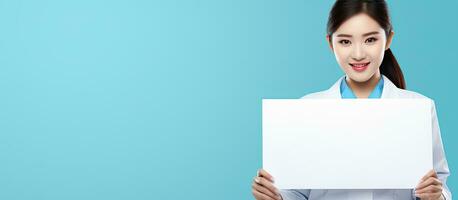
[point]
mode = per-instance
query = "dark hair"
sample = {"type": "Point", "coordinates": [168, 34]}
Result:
{"type": "Point", "coordinates": [377, 10]}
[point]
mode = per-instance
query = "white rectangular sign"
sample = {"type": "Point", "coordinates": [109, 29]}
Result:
{"type": "Point", "coordinates": [346, 143]}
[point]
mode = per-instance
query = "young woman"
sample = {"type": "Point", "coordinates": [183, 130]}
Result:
{"type": "Point", "coordinates": [359, 32]}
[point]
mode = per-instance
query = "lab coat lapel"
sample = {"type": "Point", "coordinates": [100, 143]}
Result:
{"type": "Point", "coordinates": [389, 89]}
{"type": "Point", "coordinates": [334, 90]}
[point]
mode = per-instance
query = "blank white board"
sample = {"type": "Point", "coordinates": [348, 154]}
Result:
{"type": "Point", "coordinates": [346, 143]}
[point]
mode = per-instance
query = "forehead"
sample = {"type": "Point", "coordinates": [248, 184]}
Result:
{"type": "Point", "coordinates": [358, 25]}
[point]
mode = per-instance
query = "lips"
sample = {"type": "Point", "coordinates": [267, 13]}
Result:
{"type": "Point", "coordinates": [359, 66]}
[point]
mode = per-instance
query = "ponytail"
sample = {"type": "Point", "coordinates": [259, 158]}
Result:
{"type": "Point", "coordinates": [391, 69]}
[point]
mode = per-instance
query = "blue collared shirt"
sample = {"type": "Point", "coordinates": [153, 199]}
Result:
{"type": "Point", "coordinates": [347, 93]}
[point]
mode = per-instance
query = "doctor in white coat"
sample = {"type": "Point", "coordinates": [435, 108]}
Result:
{"type": "Point", "coordinates": [360, 34]}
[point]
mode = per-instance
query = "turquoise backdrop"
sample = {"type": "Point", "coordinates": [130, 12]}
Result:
{"type": "Point", "coordinates": [131, 99]}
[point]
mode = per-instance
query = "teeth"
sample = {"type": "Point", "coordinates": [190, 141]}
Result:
{"type": "Point", "coordinates": [359, 65]}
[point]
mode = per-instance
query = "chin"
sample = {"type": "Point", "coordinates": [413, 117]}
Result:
{"type": "Point", "coordinates": [360, 78]}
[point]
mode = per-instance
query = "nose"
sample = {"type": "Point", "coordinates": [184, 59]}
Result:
{"type": "Point", "coordinates": [358, 53]}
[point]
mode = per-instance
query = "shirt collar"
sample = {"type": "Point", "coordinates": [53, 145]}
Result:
{"type": "Point", "coordinates": [347, 93]}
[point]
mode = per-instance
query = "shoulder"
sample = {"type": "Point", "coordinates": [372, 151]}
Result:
{"type": "Point", "coordinates": [415, 95]}
{"type": "Point", "coordinates": [408, 94]}
{"type": "Point", "coordinates": [332, 92]}
{"type": "Point", "coordinates": [391, 91]}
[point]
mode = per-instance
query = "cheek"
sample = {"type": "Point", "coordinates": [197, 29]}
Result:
{"type": "Point", "coordinates": [342, 54]}
{"type": "Point", "coordinates": [376, 53]}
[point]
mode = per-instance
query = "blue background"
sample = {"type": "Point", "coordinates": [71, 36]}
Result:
{"type": "Point", "coordinates": [162, 99]}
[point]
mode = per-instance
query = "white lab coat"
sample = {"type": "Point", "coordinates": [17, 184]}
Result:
{"type": "Point", "coordinates": [440, 162]}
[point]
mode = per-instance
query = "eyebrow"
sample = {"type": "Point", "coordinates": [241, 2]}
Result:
{"type": "Point", "coordinates": [364, 35]}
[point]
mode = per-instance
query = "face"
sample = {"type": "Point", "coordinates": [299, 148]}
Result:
{"type": "Point", "coordinates": [359, 45]}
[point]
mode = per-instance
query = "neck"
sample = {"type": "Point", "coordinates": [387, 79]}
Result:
{"type": "Point", "coordinates": [364, 89]}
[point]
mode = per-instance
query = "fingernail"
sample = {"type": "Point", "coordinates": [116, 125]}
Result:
{"type": "Point", "coordinates": [256, 179]}
{"type": "Point", "coordinates": [273, 180]}
{"type": "Point", "coordinates": [257, 172]}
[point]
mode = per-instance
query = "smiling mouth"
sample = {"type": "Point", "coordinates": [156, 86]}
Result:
{"type": "Point", "coordinates": [360, 65]}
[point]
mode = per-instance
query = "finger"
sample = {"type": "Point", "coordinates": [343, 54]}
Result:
{"type": "Point", "coordinates": [265, 191]}
{"type": "Point", "coordinates": [430, 189]}
{"type": "Point", "coordinates": [257, 185]}
{"type": "Point", "coordinates": [423, 196]}
{"type": "Point", "coordinates": [264, 173]}
{"type": "Point", "coordinates": [429, 181]}
{"type": "Point", "coordinates": [260, 196]}
{"type": "Point", "coordinates": [266, 183]}
{"type": "Point", "coordinates": [430, 173]}
{"type": "Point", "coordinates": [433, 173]}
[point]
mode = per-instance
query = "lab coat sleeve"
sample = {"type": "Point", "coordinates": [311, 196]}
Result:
{"type": "Point", "coordinates": [440, 162]}
{"type": "Point", "coordinates": [295, 194]}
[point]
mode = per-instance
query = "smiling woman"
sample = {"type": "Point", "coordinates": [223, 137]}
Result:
{"type": "Point", "coordinates": [360, 34]}
{"type": "Point", "coordinates": [360, 45]}
{"type": "Point", "coordinates": [364, 27]}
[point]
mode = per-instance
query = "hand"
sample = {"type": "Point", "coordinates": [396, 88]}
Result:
{"type": "Point", "coordinates": [263, 188]}
{"type": "Point", "coordinates": [430, 187]}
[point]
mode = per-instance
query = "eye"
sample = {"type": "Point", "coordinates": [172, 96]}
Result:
{"type": "Point", "coordinates": [371, 40]}
{"type": "Point", "coordinates": [345, 42]}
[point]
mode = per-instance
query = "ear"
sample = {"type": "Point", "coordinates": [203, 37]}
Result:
{"type": "Point", "coordinates": [328, 39]}
{"type": "Point", "coordinates": [389, 40]}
